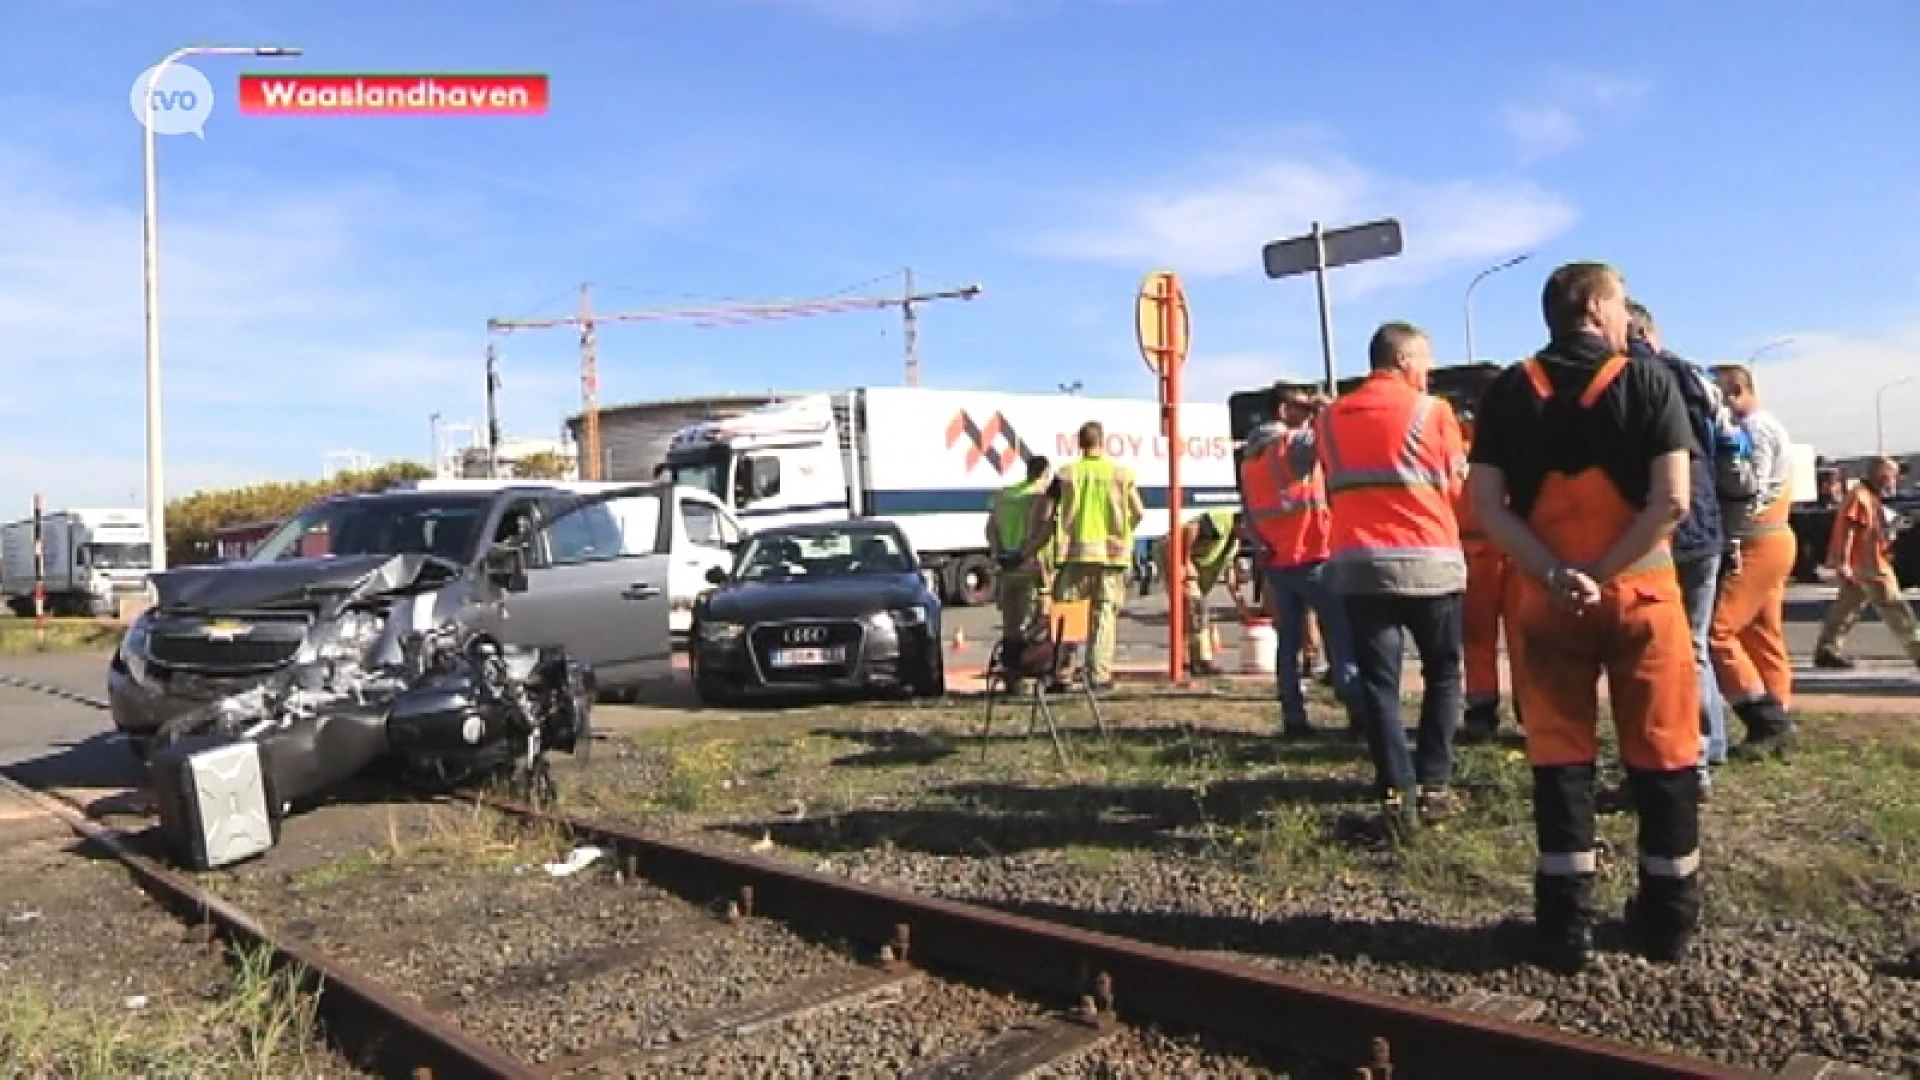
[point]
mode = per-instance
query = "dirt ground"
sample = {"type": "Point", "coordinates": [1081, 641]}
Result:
{"type": "Point", "coordinates": [159, 1002]}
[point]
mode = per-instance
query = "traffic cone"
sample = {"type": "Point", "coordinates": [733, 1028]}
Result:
{"type": "Point", "coordinates": [959, 639]}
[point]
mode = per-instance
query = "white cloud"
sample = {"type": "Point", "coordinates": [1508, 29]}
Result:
{"type": "Point", "coordinates": [1216, 227]}
{"type": "Point", "coordinates": [288, 330]}
{"type": "Point", "coordinates": [1558, 115]}
{"type": "Point", "coordinates": [1541, 130]}
{"type": "Point", "coordinates": [1824, 386]}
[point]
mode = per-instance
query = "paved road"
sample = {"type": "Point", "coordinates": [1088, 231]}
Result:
{"type": "Point", "coordinates": [49, 739]}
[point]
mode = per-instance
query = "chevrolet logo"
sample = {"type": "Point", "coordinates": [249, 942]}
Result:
{"type": "Point", "coordinates": [224, 630]}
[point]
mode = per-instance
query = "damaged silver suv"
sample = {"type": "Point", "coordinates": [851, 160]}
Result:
{"type": "Point", "coordinates": [326, 620]}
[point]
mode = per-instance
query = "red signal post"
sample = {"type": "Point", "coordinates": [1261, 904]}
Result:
{"type": "Point", "coordinates": [1162, 325]}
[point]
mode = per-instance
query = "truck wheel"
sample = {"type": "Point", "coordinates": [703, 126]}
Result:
{"type": "Point", "coordinates": [970, 581]}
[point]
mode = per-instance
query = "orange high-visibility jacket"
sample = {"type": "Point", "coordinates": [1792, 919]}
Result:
{"type": "Point", "coordinates": [1288, 513]}
{"type": "Point", "coordinates": [1394, 467]}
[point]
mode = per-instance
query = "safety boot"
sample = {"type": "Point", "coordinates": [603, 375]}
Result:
{"type": "Point", "coordinates": [1399, 820]}
{"type": "Point", "coordinates": [1563, 918]}
{"type": "Point", "coordinates": [1826, 656]}
{"type": "Point", "coordinates": [1437, 804]}
{"type": "Point", "coordinates": [1481, 722]}
{"type": "Point", "coordinates": [1664, 915]}
{"type": "Point", "coordinates": [1770, 730]}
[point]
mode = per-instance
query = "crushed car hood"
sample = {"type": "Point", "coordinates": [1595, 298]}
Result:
{"type": "Point", "coordinates": [836, 597]}
{"type": "Point", "coordinates": [290, 583]}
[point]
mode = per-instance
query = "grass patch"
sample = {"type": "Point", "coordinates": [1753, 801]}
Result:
{"type": "Point", "coordinates": [1827, 837]}
{"type": "Point", "coordinates": [18, 636]}
{"type": "Point", "coordinates": [455, 837]}
{"type": "Point", "coordinates": [261, 1025]}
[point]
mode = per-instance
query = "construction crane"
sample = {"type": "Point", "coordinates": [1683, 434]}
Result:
{"type": "Point", "coordinates": [586, 320]}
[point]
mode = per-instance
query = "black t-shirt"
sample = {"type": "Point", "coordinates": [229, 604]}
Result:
{"type": "Point", "coordinates": [1640, 417]}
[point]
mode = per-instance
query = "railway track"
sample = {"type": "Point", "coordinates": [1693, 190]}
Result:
{"type": "Point", "coordinates": [678, 959]}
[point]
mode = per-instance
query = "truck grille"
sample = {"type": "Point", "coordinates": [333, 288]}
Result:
{"type": "Point", "coordinates": [769, 640]}
{"type": "Point", "coordinates": [225, 645]}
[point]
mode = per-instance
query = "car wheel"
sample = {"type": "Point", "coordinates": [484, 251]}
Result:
{"type": "Point", "coordinates": [932, 683]}
{"type": "Point", "coordinates": [707, 689]}
{"type": "Point", "coordinates": [711, 691]}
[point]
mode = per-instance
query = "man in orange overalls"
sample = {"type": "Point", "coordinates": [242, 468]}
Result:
{"type": "Point", "coordinates": [1481, 613]}
{"type": "Point", "coordinates": [1748, 636]}
{"type": "Point", "coordinates": [1580, 471]}
{"type": "Point", "coordinates": [1860, 552]}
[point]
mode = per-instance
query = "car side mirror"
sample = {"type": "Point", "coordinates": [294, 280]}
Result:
{"type": "Point", "coordinates": [506, 567]}
{"type": "Point", "coordinates": [716, 575]}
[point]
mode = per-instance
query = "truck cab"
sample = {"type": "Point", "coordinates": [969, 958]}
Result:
{"type": "Point", "coordinates": [784, 463]}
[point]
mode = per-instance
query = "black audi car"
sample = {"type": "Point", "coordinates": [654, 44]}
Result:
{"type": "Point", "coordinates": [841, 605]}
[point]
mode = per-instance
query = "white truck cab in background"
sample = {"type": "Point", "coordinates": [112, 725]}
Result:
{"type": "Point", "coordinates": [705, 532]}
{"type": "Point", "coordinates": [93, 558]}
{"type": "Point", "coordinates": [929, 460]}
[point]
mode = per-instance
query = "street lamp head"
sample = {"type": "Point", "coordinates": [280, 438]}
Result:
{"type": "Point", "coordinates": [278, 50]}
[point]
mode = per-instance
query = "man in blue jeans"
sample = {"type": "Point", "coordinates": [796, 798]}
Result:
{"type": "Point", "coordinates": [1286, 510]}
{"type": "Point", "coordinates": [1699, 541]}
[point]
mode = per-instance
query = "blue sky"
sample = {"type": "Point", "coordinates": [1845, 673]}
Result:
{"type": "Point", "coordinates": [1753, 167]}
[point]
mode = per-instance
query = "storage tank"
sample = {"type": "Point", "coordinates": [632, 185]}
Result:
{"type": "Point", "coordinates": [634, 438]}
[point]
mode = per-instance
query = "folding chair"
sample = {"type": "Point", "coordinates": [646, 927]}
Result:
{"type": "Point", "coordinates": [1070, 623]}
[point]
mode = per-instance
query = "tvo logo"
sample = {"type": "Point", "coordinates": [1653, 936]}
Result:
{"type": "Point", "coordinates": [175, 101]}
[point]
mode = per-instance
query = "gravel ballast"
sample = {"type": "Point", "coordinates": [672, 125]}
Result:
{"type": "Point", "coordinates": [478, 929]}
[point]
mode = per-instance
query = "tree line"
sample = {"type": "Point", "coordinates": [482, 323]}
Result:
{"type": "Point", "coordinates": [193, 521]}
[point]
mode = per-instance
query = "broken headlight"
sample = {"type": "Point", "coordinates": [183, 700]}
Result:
{"type": "Point", "coordinates": [349, 638]}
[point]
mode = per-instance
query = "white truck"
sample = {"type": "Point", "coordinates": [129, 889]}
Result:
{"type": "Point", "coordinates": [928, 460]}
{"type": "Point", "coordinates": [92, 559]}
{"type": "Point", "coordinates": [703, 534]}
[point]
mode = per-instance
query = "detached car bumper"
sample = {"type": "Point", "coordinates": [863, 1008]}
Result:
{"type": "Point", "coordinates": [849, 655]}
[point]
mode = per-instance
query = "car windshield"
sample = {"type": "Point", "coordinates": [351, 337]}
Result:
{"type": "Point", "coordinates": [780, 556]}
{"type": "Point", "coordinates": [447, 527]}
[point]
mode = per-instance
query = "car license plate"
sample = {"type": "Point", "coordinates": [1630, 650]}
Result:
{"type": "Point", "coordinates": [809, 657]}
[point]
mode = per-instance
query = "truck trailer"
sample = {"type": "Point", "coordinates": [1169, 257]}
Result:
{"type": "Point", "coordinates": [928, 461]}
{"type": "Point", "coordinates": [92, 558]}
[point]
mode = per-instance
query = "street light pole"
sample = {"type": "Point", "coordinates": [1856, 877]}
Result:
{"type": "Point", "coordinates": [150, 250]}
{"type": "Point", "coordinates": [1879, 414]}
{"type": "Point", "coordinates": [433, 423]}
{"type": "Point", "coordinates": [1475, 283]}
